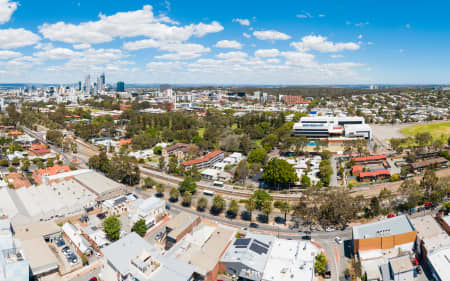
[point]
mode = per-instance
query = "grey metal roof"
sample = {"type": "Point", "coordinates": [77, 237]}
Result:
{"type": "Point", "coordinates": [387, 227]}
{"type": "Point", "coordinates": [97, 182]}
{"type": "Point", "coordinates": [244, 252]}
{"type": "Point", "coordinates": [121, 252]}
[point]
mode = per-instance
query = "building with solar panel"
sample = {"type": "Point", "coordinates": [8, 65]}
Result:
{"type": "Point", "coordinates": [260, 257]}
{"type": "Point", "coordinates": [247, 257]}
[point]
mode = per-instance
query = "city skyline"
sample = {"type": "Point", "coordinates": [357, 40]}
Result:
{"type": "Point", "coordinates": [233, 43]}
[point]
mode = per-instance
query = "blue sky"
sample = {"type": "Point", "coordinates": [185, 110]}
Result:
{"type": "Point", "coordinates": [225, 42]}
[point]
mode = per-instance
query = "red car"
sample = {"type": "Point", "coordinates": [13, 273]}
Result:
{"type": "Point", "coordinates": [93, 279]}
{"type": "Point", "coordinates": [391, 216]}
{"type": "Point", "coordinates": [428, 204]}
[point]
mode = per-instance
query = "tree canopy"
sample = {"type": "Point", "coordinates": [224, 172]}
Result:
{"type": "Point", "coordinates": [279, 172]}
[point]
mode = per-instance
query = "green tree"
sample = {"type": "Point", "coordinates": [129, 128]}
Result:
{"type": "Point", "coordinates": [148, 183]}
{"type": "Point", "coordinates": [306, 181]}
{"type": "Point", "coordinates": [250, 206]}
{"type": "Point", "coordinates": [257, 155]}
{"type": "Point", "coordinates": [162, 163]}
{"type": "Point", "coordinates": [173, 164]}
{"type": "Point", "coordinates": [259, 197]}
{"type": "Point", "coordinates": [174, 194]}
{"type": "Point", "coordinates": [202, 203]}
{"type": "Point", "coordinates": [429, 182]}
{"type": "Point", "coordinates": [241, 173]}
{"type": "Point", "coordinates": [187, 198]}
{"type": "Point", "coordinates": [267, 208]}
{"type": "Point", "coordinates": [187, 185]}
{"type": "Point", "coordinates": [233, 209]}
{"type": "Point", "coordinates": [111, 226]}
{"type": "Point", "coordinates": [279, 172]}
{"type": "Point", "coordinates": [284, 208]}
{"type": "Point", "coordinates": [157, 150]}
{"type": "Point", "coordinates": [321, 264]}
{"type": "Point", "coordinates": [218, 205]}
{"type": "Point", "coordinates": [160, 189]}
{"type": "Point", "coordinates": [140, 227]}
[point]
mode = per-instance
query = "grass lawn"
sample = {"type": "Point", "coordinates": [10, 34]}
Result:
{"type": "Point", "coordinates": [201, 131]}
{"type": "Point", "coordinates": [437, 130]}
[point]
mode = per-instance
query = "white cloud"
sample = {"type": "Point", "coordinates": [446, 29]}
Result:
{"type": "Point", "coordinates": [7, 8]}
{"type": "Point", "coordinates": [14, 38]}
{"type": "Point", "coordinates": [402, 50]}
{"type": "Point", "coordinates": [304, 15]}
{"type": "Point", "coordinates": [408, 26]}
{"type": "Point", "coordinates": [246, 35]}
{"type": "Point", "coordinates": [267, 53]}
{"type": "Point", "coordinates": [361, 24]}
{"type": "Point", "coordinates": [44, 46]}
{"type": "Point", "coordinates": [370, 43]}
{"type": "Point", "coordinates": [335, 56]}
{"type": "Point", "coordinates": [232, 55]}
{"type": "Point", "coordinates": [320, 43]}
{"type": "Point", "coordinates": [177, 50]}
{"type": "Point", "coordinates": [271, 35]}
{"type": "Point", "coordinates": [56, 54]}
{"type": "Point", "coordinates": [245, 22]}
{"type": "Point", "coordinates": [126, 24]}
{"type": "Point", "coordinates": [322, 15]}
{"type": "Point", "coordinates": [4, 55]}
{"type": "Point", "coordinates": [299, 59]}
{"type": "Point", "coordinates": [360, 36]}
{"type": "Point", "coordinates": [81, 46]}
{"type": "Point", "coordinates": [230, 44]}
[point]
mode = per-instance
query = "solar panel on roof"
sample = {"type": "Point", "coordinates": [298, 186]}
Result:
{"type": "Point", "coordinates": [261, 243]}
{"type": "Point", "coordinates": [242, 241]}
{"type": "Point", "coordinates": [241, 246]}
{"type": "Point", "coordinates": [120, 200]}
{"type": "Point", "coordinates": [258, 249]}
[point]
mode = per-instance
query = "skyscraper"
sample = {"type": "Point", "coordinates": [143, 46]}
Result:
{"type": "Point", "coordinates": [79, 85]}
{"type": "Point", "coordinates": [120, 86]}
{"type": "Point", "coordinates": [103, 79]}
{"type": "Point", "coordinates": [87, 84]}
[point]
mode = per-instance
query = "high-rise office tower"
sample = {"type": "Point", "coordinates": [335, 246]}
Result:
{"type": "Point", "coordinates": [79, 85]}
{"type": "Point", "coordinates": [87, 84]}
{"type": "Point", "coordinates": [120, 86]}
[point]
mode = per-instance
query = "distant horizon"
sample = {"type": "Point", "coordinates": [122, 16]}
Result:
{"type": "Point", "coordinates": [287, 43]}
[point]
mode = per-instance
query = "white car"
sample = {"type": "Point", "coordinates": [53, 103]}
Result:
{"type": "Point", "coordinates": [338, 240]}
{"type": "Point", "coordinates": [330, 229]}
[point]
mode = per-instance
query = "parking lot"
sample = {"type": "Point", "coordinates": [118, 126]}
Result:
{"type": "Point", "coordinates": [67, 257]}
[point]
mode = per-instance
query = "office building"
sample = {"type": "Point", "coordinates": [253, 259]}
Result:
{"type": "Point", "coordinates": [328, 126]}
{"type": "Point", "coordinates": [120, 86]}
{"type": "Point", "coordinates": [133, 258]}
{"type": "Point", "coordinates": [87, 84]}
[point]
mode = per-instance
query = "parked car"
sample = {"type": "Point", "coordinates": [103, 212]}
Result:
{"type": "Point", "coordinates": [93, 279]}
{"type": "Point", "coordinates": [60, 243]}
{"type": "Point", "coordinates": [338, 240]}
{"type": "Point", "coordinates": [65, 249]}
{"type": "Point", "coordinates": [159, 236]}
{"type": "Point", "coordinates": [330, 229]}
{"type": "Point", "coordinates": [254, 225]}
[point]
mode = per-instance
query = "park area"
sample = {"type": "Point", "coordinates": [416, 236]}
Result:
{"type": "Point", "coordinates": [437, 130]}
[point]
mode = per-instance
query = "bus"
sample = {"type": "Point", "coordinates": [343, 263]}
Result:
{"type": "Point", "coordinates": [218, 183]}
{"type": "Point", "coordinates": [208, 192]}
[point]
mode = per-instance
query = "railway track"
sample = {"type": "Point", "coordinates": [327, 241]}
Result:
{"type": "Point", "coordinates": [244, 194]}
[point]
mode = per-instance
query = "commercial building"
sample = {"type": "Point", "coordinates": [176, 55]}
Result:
{"type": "Point", "coordinates": [151, 210]}
{"type": "Point", "coordinates": [133, 258]}
{"type": "Point", "coordinates": [100, 185]}
{"type": "Point", "coordinates": [179, 150]}
{"type": "Point", "coordinates": [78, 241]}
{"type": "Point", "coordinates": [205, 161]}
{"type": "Point", "coordinates": [13, 264]}
{"type": "Point", "coordinates": [120, 86]}
{"type": "Point", "coordinates": [384, 235]}
{"type": "Point", "coordinates": [50, 171]}
{"type": "Point", "coordinates": [179, 226]}
{"type": "Point", "coordinates": [247, 257]}
{"type": "Point", "coordinates": [440, 264]}
{"type": "Point", "coordinates": [328, 126]}
{"type": "Point", "coordinates": [203, 248]}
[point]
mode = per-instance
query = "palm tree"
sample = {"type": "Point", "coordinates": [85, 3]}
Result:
{"type": "Point", "coordinates": [250, 206]}
{"type": "Point", "coordinates": [284, 207]}
{"type": "Point", "coordinates": [267, 208]}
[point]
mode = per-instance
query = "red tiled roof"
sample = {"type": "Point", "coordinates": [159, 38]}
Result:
{"type": "Point", "coordinates": [357, 168]}
{"type": "Point", "coordinates": [370, 157]}
{"type": "Point", "coordinates": [205, 158]}
{"type": "Point", "coordinates": [51, 171]}
{"type": "Point", "coordinates": [15, 133]}
{"type": "Point", "coordinates": [38, 146]}
{"type": "Point", "coordinates": [18, 180]}
{"type": "Point", "coordinates": [40, 151]}
{"type": "Point", "coordinates": [374, 173]}
{"type": "Point", "coordinates": [124, 141]}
